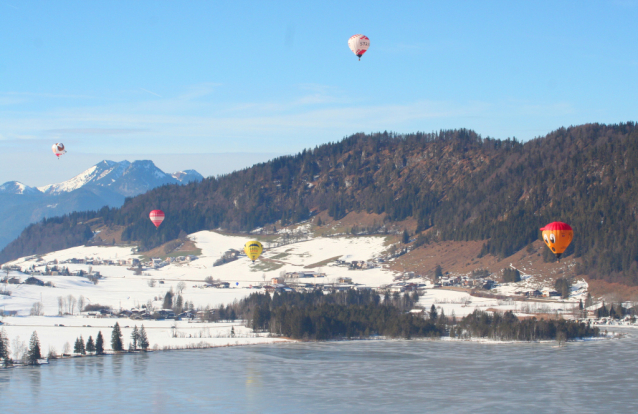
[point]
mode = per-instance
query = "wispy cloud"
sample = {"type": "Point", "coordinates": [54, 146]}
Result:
{"type": "Point", "coordinates": [152, 93]}
{"type": "Point", "coordinates": [313, 115]}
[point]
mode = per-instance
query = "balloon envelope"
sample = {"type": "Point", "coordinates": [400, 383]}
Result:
{"type": "Point", "coordinates": [157, 216]}
{"type": "Point", "coordinates": [557, 236]}
{"type": "Point", "coordinates": [58, 149]}
{"type": "Point", "coordinates": [359, 44]}
{"type": "Point", "coordinates": [253, 249]}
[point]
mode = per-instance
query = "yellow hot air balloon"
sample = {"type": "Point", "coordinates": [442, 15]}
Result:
{"type": "Point", "coordinates": [557, 236]}
{"type": "Point", "coordinates": [253, 249]}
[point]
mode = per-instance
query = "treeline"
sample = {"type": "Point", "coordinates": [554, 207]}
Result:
{"type": "Point", "coordinates": [464, 186]}
{"type": "Point", "coordinates": [506, 327]}
{"type": "Point", "coordinates": [354, 314]}
{"type": "Point", "coordinates": [348, 314]}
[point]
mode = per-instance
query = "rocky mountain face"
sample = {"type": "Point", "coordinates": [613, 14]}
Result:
{"type": "Point", "coordinates": [107, 183]}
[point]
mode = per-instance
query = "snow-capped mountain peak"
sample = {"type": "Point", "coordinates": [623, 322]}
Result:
{"type": "Point", "coordinates": [16, 187]}
{"type": "Point", "coordinates": [97, 172]}
{"type": "Point", "coordinates": [187, 176]}
{"type": "Point", "coordinates": [125, 178]}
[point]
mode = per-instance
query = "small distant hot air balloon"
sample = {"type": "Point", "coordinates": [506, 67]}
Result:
{"type": "Point", "coordinates": [58, 149]}
{"type": "Point", "coordinates": [253, 249]}
{"type": "Point", "coordinates": [359, 44]}
{"type": "Point", "coordinates": [157, 216]}
{"type": "Point", "coordinates": [557, 236]}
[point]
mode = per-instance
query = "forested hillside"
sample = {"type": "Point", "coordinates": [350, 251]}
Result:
{"type": "Point", "coordinates": [456, 184]}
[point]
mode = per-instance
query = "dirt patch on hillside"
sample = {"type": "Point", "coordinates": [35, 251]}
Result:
{"type": "Point", "coordinates": [110, 234]}
{"type": "Point", "coordinates": [173, 248]}
{"type": "Point", "coordinates": [612, 292]}
{"type": "Point", "coordinates": [461, 257]}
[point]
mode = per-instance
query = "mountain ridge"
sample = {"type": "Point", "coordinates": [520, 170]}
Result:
{"type": "Point", "coordinates": [107, 183]}
{"type": "Point", "coordinates": [455, 184]}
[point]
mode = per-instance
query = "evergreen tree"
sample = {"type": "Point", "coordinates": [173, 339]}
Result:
{"type": "Point", "coordinates": [433, 313]}
{"type": "Point", "coordinates": [179, 305]}
{"type": "Point", "coordinates": [143, 340]}
{"type": "Point", "coordinates": [405, 238]}
{"type": "Point", "coordinates": [168, 300]}
{"type": "Point", "coordinates": [511, 275]}
{"type": "Point", "coordinates": [116, 338]}
{"type": "Point", "coordinates": [438, 272]}
{"type": "Point", "coordinates": [99, 344]}
{"type": "Point", "coordinates": [4, 347]}
{"type": "Point", "coordinates": [135, 337]}
{"type": "Point", "coordinates": [34, 350]}
{"type": "Point", "coordinates": [90, 345]}
{"type": "Point", "coordinates": [82, 348]}
{"type": "Point", "coordinates": [77, 349]}
{"type": "Point", "coordinates": [232, 332]}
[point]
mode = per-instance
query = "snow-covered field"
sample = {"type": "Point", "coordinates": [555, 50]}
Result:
{"type": "Point", "coordinates": [461, 303]}
{"type": "Point", "coordinates": [58, 334]}
{"type": "Point", "coordinates": [121, 289]}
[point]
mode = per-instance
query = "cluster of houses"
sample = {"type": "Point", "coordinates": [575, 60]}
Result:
{"type": "Point", "coordinates": [536, 293]}
{"type": "Point", "coordinates": [466, 282]}
{"type": "Point", "coordinates": [144, 314]}
{"type": "Point", "coordinates": [359, 264]}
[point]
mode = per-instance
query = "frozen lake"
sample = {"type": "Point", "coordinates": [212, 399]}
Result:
{"type": "Point", "coordinates": [358, 376]}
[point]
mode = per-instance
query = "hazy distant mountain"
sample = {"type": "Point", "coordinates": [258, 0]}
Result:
{"type": "Point", "coordinates": [107, 183]}
{"type": "Point", "coordinates": [16, 187]}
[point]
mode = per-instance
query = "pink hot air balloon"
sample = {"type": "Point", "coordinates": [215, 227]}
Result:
{"type": "Point", "coordinates": [359, 44]}
{"type": "Point", "coordinates": [58, 149]}
{"type": "Point", "coordinates": [157, 216]}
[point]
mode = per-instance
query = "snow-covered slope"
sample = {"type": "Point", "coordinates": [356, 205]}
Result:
{"type": "Point", "coordinates": [16, 187]}
{"type": "Point", "coordinates": [187, 176]}
{"type": "Point", "coordinates": [125, 178]}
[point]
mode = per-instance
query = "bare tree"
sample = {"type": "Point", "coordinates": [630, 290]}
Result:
{"type": "Point", "coordinates": [67, 348]}
{"type": "Point", "coordinates": [61, 305]}
{"type": "Point", "coordinates": [149, 306]}
{"type": "Point", "coordinates": [180, 287]}
{"type": "Point", "coordinates": [19, 348]}
{"type": "Point", "coordinates": [81, 304]}
{"type": "Point", "coordinates": [71, 303]}
{"type": "Point", "coordinates": [151, 283]}
{"type": "Point", "coordinates": [37, 309]}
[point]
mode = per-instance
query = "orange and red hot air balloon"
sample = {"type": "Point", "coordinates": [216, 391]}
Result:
{"type": "Point", "coordinates": [557, 236]}
{"type": "Point", "coordinates": [157, 216]}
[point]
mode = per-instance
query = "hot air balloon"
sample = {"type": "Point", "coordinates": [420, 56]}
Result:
{"type": "Point", "coordinates": [58, 149]}
{"type": "Point", "coordinates": [253, 249]}
{"type": "Point", "coordinates": [557, 236]}
{"type": "Point", "coordinates": [359, 44]}
{"type": "Point", "coordinates": [157, 216]}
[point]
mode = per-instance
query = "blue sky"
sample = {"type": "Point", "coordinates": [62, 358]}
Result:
{"type": "Point", "coordinates": [219, 85]}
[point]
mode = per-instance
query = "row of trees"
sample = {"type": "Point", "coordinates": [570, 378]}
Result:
{"type": "Point", "coordinates": [507, 326]}
{"type": "Point", "coordinates": [362, 314]}
{"type": "Point", "coordinates": [30, 357]}
{"type": "Point", "coordinates": [139, 340]}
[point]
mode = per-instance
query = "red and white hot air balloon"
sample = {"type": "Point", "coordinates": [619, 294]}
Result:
{"type": "Point", "coordinates": [58, 149]}
{"type": "Point", "coordinates": [157, 216]}
{"type": "Point", "coordinates": [359, 44]}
